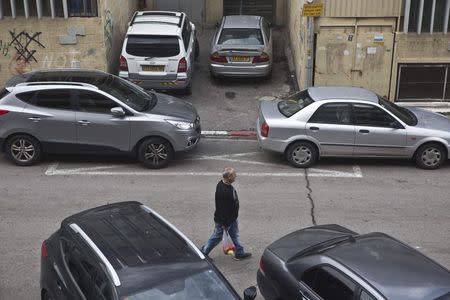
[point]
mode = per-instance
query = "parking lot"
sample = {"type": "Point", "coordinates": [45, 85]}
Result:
{"type": "Point", "coordinates": [365, 195]}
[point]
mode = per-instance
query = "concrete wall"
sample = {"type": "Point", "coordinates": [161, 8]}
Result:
{"type": "Point", "coordinates": [414, 48]}
{"type": "Point", "coordinates": [29, 44]}
{"type": "Point", "coordinates": [297, 31]}
{"type": "Point", "coordinates": [115, 15]}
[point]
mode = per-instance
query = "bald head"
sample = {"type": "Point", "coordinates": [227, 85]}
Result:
{"type": "Point", "coordinates": [229, 175]}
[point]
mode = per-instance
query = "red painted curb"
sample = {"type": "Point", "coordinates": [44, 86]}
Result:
{"type": "Point", "coordinates": [247, 133]}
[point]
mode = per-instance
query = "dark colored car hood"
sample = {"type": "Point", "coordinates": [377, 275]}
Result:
{"type": "Point", "coordinates": [171, 106]}
{"type": "Point", "coordinates": [430, 120]}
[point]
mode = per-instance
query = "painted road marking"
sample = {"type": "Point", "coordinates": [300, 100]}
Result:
{"type": "Point", "coordinates": [102, 171]}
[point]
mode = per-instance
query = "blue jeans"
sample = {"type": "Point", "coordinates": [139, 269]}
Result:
{"type": "Point", "coordinates": [216, 238]}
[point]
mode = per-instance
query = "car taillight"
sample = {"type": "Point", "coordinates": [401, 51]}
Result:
{"type": "Point", "coordinates": [123, 65]}
{"type": "Point", "coordinates": [261, 267]}
{"type": "Point", "coordinates": [44, 252]}
{"type": "Point", "coordinates": [182, 66]}
{"type": "Point", "coordinates": [264, 57]}
{"type": "Point", "coordinates": [3, 112]}
{"type": "Point", "coordinates": [264, 129]}
{"type": "Point", "coordinates": [215, 57]}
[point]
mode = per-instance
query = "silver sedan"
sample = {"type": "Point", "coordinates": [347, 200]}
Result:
{"type": "Point", "coordinates": [351, 122]}
{"type": "Point", "coordinates": [242, 47]}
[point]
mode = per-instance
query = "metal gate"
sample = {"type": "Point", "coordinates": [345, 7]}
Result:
{"type": "Point", "coordinates": [265, 8]}
{"type": "Point", "coordinates": [193, 8]}
{"type": "Point", "coordinates": [355, 55]}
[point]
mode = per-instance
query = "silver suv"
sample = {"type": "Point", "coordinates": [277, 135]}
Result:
{"type": "Point", "coordinates": [159, 50]}
{"type": "Point", "coordinates": [68, 111]}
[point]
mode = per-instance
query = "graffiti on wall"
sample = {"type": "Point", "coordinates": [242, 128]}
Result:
{"type": "Point", "coordinates": [4, 48]}
{"type": "Point", "coordinates": [69, 59]}
{"type": "Point", "coordinates": [108, 31]}
{"type": "Point", "coordinates": [26, 44]}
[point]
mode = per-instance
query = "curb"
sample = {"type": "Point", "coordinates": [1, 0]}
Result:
{"type": "Point", "coordinates": [235, 134]}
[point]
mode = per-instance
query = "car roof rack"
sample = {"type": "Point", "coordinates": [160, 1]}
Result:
{"type": "Point", "coordinates": [35, 83]}
{"type": "Point", "coordinates": [157, 13]}
{"type": "Point", "coordinates": [97, 251]}
{"type": "Point", "coordinates": [188, 241]}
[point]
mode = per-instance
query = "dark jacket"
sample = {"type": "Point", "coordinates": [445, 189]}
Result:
{"type": "Point", "coordinates": [227, 204]}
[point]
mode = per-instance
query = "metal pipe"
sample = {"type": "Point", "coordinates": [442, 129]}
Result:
{"type": "Point", "coordinates": [13, 9]}
{"type": "Point", "coordinates": [447, 15]}
{"type": "Point", "coordinates": [66, 10]}
{"type": "Point", "coordinates": [52, 8]}
{"type": "Point", "coordinates": [39, 8]}
{"type": "Point", "coordinates": [432, 16]}
{"type": "Point", "coordinates": [419, 20]}
{"type": "Point", "coordinates": [26, 8]}
{"type": "Point", "coordinates": [406, 16]}
{"type": "Point", "coordinates": [310, 53]}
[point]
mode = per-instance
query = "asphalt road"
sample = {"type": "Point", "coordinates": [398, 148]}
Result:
{"type": "Point", "coordinates": [365, 195]}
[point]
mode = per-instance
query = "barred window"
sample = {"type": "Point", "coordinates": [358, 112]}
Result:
{"type": "Point", "coordinates": [427, 16]}
{"type": "Point", "coordinates": [48, 8]}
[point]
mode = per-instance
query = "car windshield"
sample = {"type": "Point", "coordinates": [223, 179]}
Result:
{"type": "Point", "coordinates": [400, 112]}
{"type": "Point", "coordinates": [129, 93]}
{"type": "Point", "coordinates": [294, 103]}
{"type": "Point", "coordinates": [203, 285]}
{"type": "Point", "coordinates": [244, 36]}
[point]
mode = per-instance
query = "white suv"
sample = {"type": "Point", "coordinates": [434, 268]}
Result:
{"type": "Point", "coordinates": [159, 50]}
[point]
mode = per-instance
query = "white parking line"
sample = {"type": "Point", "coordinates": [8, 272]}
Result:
{"type": "Point", "coordinates": [95, 171]}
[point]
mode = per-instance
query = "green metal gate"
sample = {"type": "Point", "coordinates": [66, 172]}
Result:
{"type": "Point", "coordinates": [265, 8]}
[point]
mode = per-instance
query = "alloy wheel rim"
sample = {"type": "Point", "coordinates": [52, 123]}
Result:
{"type": "Point", "coordinates": [23, 150]}
{"type": "Point", "coordinates": [156, 153]}
{"type": "Point", "coordinates": [431, 156]}
{"type": "Point", "coordinates": [302, 155]}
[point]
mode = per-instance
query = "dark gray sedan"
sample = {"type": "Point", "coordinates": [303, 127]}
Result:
{"type": "Point", "coordinates": [351, 122]}
{"type": "Point", "coordinates": [330, 262]}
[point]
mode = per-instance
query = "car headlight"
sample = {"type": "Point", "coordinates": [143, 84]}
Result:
{"type": "Point", "coordinates": [181, 124]}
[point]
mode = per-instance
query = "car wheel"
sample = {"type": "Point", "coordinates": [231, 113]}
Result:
{"type": "Point", "coordinates": [430, 156]}
{"type": "Point", "coordinates": [23, 150]}
{"type": "Point", "coordinates": [155, 153]}
{"type": "Point", "coordinates": [302, 154]}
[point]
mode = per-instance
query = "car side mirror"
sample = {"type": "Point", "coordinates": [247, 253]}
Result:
{"type": "Point", "coordinates": [250, 293]}
{"type": "Point", "coordinates": [117, 112]}
{"type": "Point", "coordinates": [396, 125]}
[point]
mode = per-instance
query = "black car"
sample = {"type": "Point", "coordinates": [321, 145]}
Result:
{"type": "Point", "coordinates": [127, 251]}
{"type": "Point", "coordinates": [332, 262]}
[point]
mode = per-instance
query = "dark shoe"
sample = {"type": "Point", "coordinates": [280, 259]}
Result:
{"type": "Point", "coordinates": [243, 256]}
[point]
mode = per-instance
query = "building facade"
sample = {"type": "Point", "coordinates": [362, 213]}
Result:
{"type": "Point", "coordinates": [397, 48]}
{"type": "Point", "coordinates": [47, 34]}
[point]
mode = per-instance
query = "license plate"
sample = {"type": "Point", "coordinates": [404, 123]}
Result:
{"type": "Point", "coordinates": [240, 58]}
{"type": "Point", "coordinates": [153, 68]}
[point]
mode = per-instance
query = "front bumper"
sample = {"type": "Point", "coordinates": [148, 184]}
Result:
{"type": "Point", "coordinates": [235, 70]}
{"type": "Point", "coordinates": [181, 82]}
{"type": "Point", "coordinates": [186, 140]}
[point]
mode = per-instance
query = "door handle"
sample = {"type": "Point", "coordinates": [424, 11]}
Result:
{"type": "Point", "coordinates": [314, 128]}
{"type": "Point", "coordinates": [35, 119]}
{"type": "Point", "coordinates": [364, 131]}
{"type": "Point", "coordinates": [84, 122]}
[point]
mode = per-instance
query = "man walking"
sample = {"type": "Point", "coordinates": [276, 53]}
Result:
{"type": "Point", "coordinates": [226, 215]}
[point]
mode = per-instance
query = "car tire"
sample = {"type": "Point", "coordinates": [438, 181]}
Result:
{"type": "Point", "coordinates": [430, 156]}
{"type": "Point", "coordinates": [23, 150]}
{"type": "Point", "coordinates": [155, 153]}
{"type": "Point", "coordinates": [302, 154]}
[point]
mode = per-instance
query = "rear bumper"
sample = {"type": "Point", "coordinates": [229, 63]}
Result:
{"type": "Point", "coordinates": [260, 70]}
{"type": "Point", "coordinates": [181, 82]}
{"type": "Point", "coordinates": [269, 144]}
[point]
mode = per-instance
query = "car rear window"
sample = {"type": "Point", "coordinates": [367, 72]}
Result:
{"type": "Point", "coordinates": [291, 105]}
{"type": "Point", "coordinates": [237, 36]}
{"type": "Point", "coordinates": [153, 46]}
